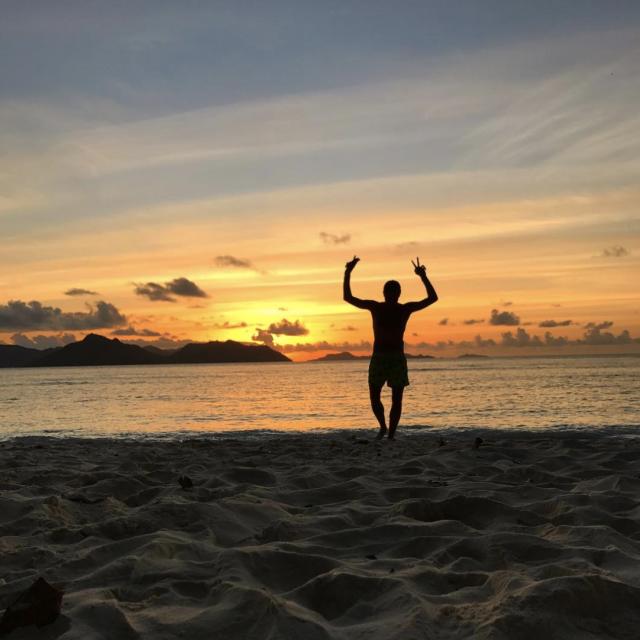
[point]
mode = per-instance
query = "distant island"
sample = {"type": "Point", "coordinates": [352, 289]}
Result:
{"type": "Point", "coordinates": [472, 355]}
{"type": "Point", "coordinates": [96, 350]}
{"type": "Point", "coordinates": [347, 356]}
{"type": "Point", "coordinates": [339, 357]}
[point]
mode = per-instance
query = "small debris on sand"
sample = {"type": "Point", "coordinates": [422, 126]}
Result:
{"type": "Point", "coordinates": [185, 482]}
{"type": "Point", "coordinates": [39, 604]}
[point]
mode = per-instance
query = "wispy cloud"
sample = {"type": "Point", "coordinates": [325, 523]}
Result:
{"type": "Point", "coordinates": [511, 105]}
{"type": "Point", "coordinates": [503, 318]}
{"type": "Point", "coordinates": [408, 246]}
{"type": "Point", "coordinates": [261, 335]}
{"type": "Point", "coordinates": [42, 341]}
{"type": "Point", "coordinates": [165, 292]}
{"type": "Point", "coordinates": [154, 291]}
{"type": "Point", "coordinates": [228, 261]}
{"type": "Point", "coordinates": [282, 328]}
{"type": "Point", "coordinates": [322, 345]}
{"type": "Point", "coordinates": [287, 328]}
{"type": "Point", "coordinates": [332, 238]}
{"type": "Point", "coordinates": [186, 288]}
{"type": "Point", "coordinates": [76, 291]}
{"type": "Point", "coordinates": [132, 331]}
{"type": "Point", "coordinates": [592, 336]}
{"type": "Point", "coordinates": [598, 326]}
{"type": "Point", "coordinates": [519, 105]}
{"type": "Point", "coordinates": [232, 261]}
{"type": "Point", "coordinates": [230, 325]}
{"type": "Point", "coordinates": [555, 323]}
{"type": "Point", "coordinates": [616, 251]}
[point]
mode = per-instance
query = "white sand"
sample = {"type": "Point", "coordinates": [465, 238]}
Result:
{"type": "Point", "coordinates": [320, 536]}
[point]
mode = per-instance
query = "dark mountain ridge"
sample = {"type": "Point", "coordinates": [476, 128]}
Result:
{"type": "Point", "coordinates": [228, 351]}
{"type": "Point", "coordinates": [97, 350]}
{"type": "Point", "coordinates": [346, 356]}
{"type": "Point", "coordinates": [339, 357]}
{"type": "Point", "coordinates": [12, 355]}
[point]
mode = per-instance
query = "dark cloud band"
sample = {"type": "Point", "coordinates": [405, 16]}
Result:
{"type": "Point", "coordinates": [23, 316]}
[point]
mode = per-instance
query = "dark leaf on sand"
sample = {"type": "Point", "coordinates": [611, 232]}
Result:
{"type": "Point", "coordinates": [77, 497]}
{"type": "Point", "coordinates": [371, 556]}
{"type": "Point", "coordinates": [185, 482]}
{"type": "Point", "coordinates": [39, 605]}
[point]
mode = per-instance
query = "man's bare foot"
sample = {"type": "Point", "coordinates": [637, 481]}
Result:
{"type": "Point", "coordinates": [381, 433]}
{"type": "Point", "coordinates": [392, 438]}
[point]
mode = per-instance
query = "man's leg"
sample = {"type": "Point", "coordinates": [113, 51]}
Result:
{"type": "Point", "coordinates": [396, 410]}
{"type": "Point", "coordinates": [378, 408]}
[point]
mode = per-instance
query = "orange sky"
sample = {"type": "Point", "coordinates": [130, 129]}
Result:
{"type": "Point", "coordinates": [516, 256]}
{"type": "Point", "coordinates": [510, 166]}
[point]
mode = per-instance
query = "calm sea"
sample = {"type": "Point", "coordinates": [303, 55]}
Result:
{"type": "Point", "coordinates": [530, 393]}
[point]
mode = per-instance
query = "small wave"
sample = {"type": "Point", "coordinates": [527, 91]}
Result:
{"type": "Point", "coordinates": [461, 369]}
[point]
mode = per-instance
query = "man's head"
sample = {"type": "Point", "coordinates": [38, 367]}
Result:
{"type": "Point", "coordinates": [391, 291]}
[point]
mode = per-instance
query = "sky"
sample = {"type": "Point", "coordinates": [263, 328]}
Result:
{"type": "Point", "coordinates": [192, 171]}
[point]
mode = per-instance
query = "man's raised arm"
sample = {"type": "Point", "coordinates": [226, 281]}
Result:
{"type": "Point", "coordinates": [346, 287]}
{"type": "Point", "coordinates": [432, 296]}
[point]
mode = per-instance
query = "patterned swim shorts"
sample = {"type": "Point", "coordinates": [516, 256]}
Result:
{"type": "Point", "coordinates": [390, 368]}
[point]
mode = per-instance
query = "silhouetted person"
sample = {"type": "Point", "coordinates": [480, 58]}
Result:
{"type": "Point", "coordinates": [388, 362]}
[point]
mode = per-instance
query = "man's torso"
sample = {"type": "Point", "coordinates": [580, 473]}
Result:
{"type": "Point", "coordinates": [389, 323]}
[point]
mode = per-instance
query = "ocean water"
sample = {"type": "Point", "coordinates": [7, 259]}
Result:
{"type": "Point", "coordinates": [518, 393]}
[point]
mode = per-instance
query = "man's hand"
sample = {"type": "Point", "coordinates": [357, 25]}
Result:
{"type": "Point", "coordinates": [419, 269]}
{"type": "Point", "coordinates": [432, 296]}
{"type": "Point", "coordinates": [350, 266]}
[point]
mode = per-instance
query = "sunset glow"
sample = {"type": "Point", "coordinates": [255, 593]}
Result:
{"type": "Point", "coordinates": [219, 197]}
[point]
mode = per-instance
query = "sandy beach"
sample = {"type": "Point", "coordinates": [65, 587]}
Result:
{"type": "Point", "coordinates": [320, 536]}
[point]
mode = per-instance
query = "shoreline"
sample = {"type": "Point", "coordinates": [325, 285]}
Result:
{"type": "Point", "coordinates": [416, 358]}
{"type": "Point", "coordinates": [328, 536]}
{"type": "Point", "coordinates": [345, 434]}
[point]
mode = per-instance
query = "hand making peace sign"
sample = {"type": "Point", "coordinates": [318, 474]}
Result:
{"type": "Point", "coordinates": [420, 269]}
